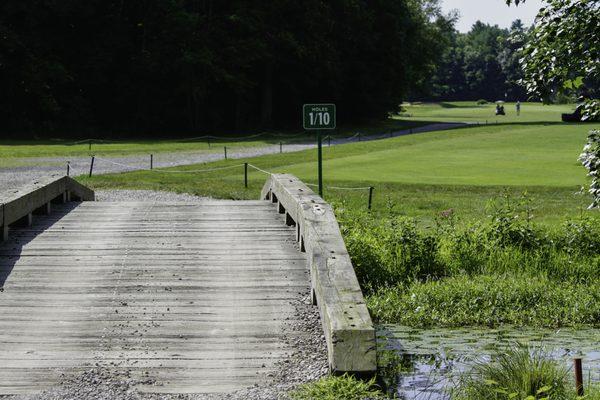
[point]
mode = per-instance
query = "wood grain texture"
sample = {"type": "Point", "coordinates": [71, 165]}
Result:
{"type": "Point", "coordinates": [193, 296]}
{"type": "Point", "coordinates": [22, 202]}
{"type": "Point", "coordinates": [346, 321]}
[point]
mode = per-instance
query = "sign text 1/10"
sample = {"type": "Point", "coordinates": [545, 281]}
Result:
{"type": "Point", "coordinates": [319, 116]}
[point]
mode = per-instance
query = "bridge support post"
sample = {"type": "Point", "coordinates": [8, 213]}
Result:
{"type": "Point", "coordinates": [3, 233]}
{"type": "Point", "coordinates": [26, 220]}
{"type": "Point", "coordinates": [45, 209]}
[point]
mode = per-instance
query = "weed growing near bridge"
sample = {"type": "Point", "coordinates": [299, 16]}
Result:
{"type": "Point", "coordinates": [520, 373]}
{"type": "Point", "coordinates": [338, 387]}
{"type": "Point", "coordinates": [506, 270]}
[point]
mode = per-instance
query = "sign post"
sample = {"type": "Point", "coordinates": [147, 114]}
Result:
{"type": "Point", "coordinates": [318, 117]}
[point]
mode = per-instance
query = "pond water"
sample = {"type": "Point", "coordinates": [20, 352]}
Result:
{"type": "Point", "coordinates": [426, 364]}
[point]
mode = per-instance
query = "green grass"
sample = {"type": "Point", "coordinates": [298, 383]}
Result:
{"type": "Point", "coordinates": [13, 150]}
{"type": "Point", "coordinates": [63, 148]}
{"type": "Point", "coordinates": [520, 373]}
{"type": "Point", "coordinates": [489, 300]}
{"type": "Point", "coordinates": [421, 174]}
{"type": "Point", "coordinates": [470, 111]}
{"type": "Point", "coordinates": [344, 387]}
{"type": "Point", "coordinates": [483, 156]}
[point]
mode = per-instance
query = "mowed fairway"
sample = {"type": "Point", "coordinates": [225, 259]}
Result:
{"type": "Point", "coordinates": [469, 111]}
{"type": "Point", "coordinates": [492, 155]}
{"type": "Point", "coordinates": [417, 175]}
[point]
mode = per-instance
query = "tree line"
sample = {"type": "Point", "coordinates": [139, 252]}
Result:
{"type": "Point", "coordinates": [166, 67]}
{"type": "Point", "coordinates": [482, 64]}
{"type": "Point", "coordinates": [179, 66]}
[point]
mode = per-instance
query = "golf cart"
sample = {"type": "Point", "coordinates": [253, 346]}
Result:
{"type": "Point", "coordinates": [574, 117]}
{"type": "Point", "coordinates": [500, 108]}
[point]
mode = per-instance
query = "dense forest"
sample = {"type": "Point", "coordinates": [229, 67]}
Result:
{"type": "Point", "coordinates": [164, 67]}
{"type": "Point", "coordinates": [178, 66]}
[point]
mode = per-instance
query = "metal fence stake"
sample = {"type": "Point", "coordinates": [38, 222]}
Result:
{"type": "Point", "coordinates": [578, 376]}
{"type": "Point", "coordinates": [370, 196]}
{"type": "Point", "coordinates": [92, 166]}
{"type": "Point", "coordinates": [151, 161]}
{"type": "Point", "coordinates": [225, 150]}
{"type": "Point", "coordinates": [246, 174]}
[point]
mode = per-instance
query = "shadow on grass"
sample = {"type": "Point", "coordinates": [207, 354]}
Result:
{"type": "Point", "coordinates": [450, 105]}
{"type": "Point", "coordinates": [492, 122]}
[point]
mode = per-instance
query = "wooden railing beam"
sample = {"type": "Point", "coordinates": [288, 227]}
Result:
{"type": "Point", "coordinates": [347, 325]}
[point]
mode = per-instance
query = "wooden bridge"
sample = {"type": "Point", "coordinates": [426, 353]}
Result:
{"type": "Point", "coordinates": [186, 297]}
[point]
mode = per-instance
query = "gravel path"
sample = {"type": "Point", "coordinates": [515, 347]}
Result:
{"type": "Point", "coordinates": [147, 195]}
{"type": "Point", "coordinates": [17, 176]}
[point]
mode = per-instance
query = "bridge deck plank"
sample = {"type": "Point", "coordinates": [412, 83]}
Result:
{"type": "Point", "coordinates": [192, 296]}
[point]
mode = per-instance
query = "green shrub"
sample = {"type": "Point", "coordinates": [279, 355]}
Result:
{"type": "Point", "coordinates": [482, 102]}
{"type": "Point", "coordinates": [390, 252]}
{"type": "Point", "coordinates": [488, 301]}
{"type": "Point", "coordinates": [464, 251]}
{"type": "Point", "coordinates": [338, 387]}
{"type": "Point", "coordinates": [511, 223]}
{"type": "Point", "coordinates": [520, 373]}
{"type": "Point", "coordinates": [395, 252]}
{"type": "Point", "coordinates": [591, 393]}
{"type": "Point", "coordinates": [581, 236]}
{"type": "Point", "coordinates": [506, 270]}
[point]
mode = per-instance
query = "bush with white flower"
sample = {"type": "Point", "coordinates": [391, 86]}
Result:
{"type": "Point", "coordinates": [590, 158]}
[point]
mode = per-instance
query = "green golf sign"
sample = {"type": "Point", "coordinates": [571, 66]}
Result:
{"type": "Point", "coordinates": [319, 116]}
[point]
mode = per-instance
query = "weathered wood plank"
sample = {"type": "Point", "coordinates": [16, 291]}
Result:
{"type": "Point", "coordinates": [346, 321]}
{"type": "Point", "coordinates": [197, 295]}
{"type": "Point", "coordinates": [22, 202]}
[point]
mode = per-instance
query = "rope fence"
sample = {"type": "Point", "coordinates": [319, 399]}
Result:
{"type": "Point", "coordinates": [224, 139]}
{"type": "Point", "coordinates": [358, 136]}
{"type": "Point", "coordinates": [71, 171]}
{"type": "Point", "coordinates": [172, 171]}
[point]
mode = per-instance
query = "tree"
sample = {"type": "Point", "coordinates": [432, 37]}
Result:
{"type": "Point", "coordinates": [481, 64]}
{"type": "Point", "coordinates": [564, 54]}
{"type": "Point", "coordinates": [509, 59]}
{"type": "Point", "coordinates": [484, 76]}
